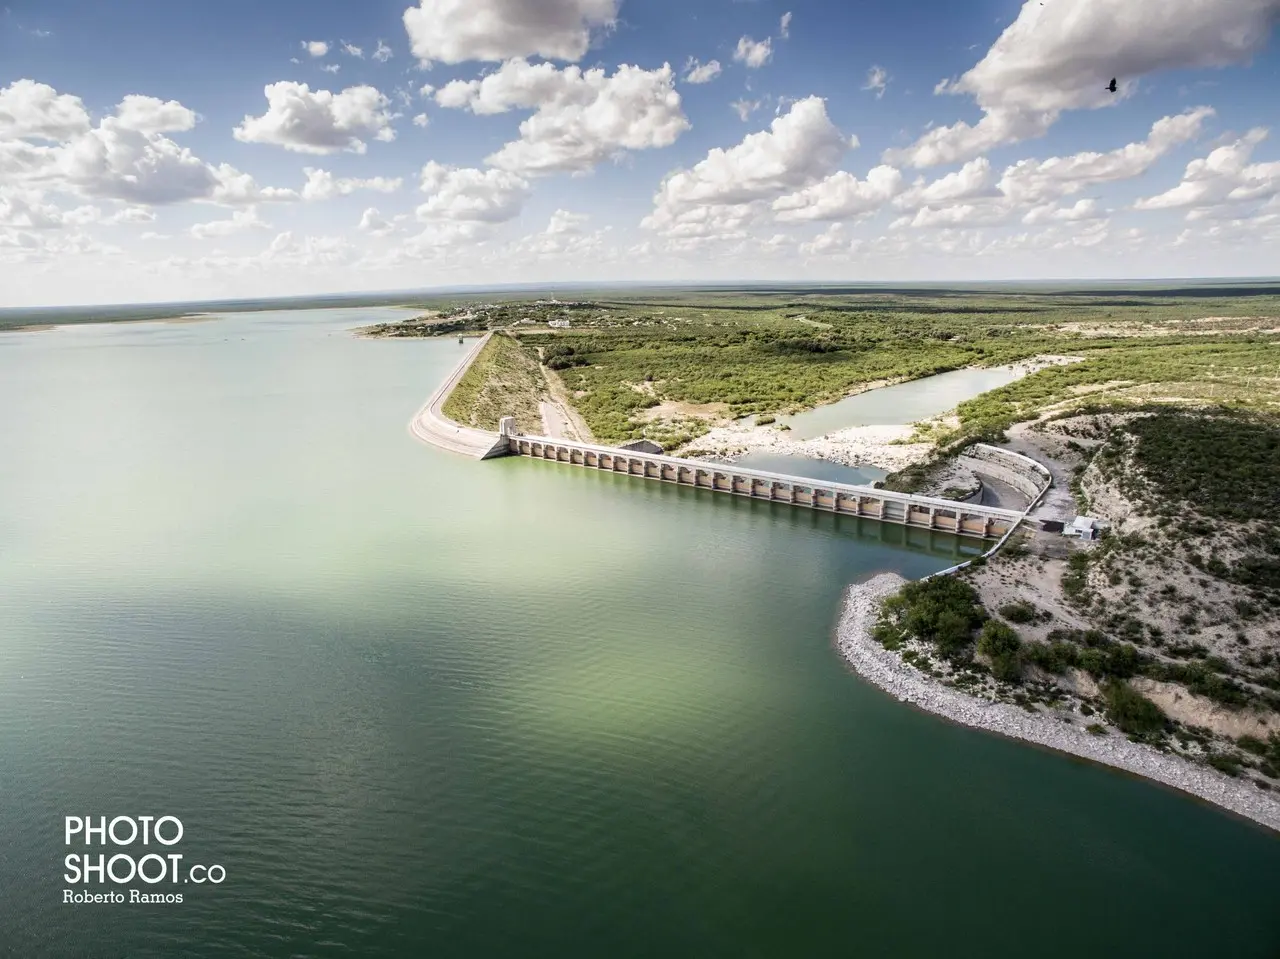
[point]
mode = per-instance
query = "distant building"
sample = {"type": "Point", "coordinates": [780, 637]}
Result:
{"type": "Point", "coordinates": [1084, 527]}
{"type": "Point", "coordinates": [558, 324]}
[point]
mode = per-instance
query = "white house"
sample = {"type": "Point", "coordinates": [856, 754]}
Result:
{"type": "Point", "coordinates": [1084, 527]}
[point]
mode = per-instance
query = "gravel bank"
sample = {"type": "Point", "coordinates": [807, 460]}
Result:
{"type": "Point", "coordinates": [878, 665]}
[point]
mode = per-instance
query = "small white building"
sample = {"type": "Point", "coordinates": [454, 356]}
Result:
{"type": "Point", "coordinates": [1084, 527]}
{"type": "Point", "coordinates": [558, 324]}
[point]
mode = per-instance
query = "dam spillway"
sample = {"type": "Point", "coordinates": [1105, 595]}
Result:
{"type": "Point", "coordinates": [964, 519]}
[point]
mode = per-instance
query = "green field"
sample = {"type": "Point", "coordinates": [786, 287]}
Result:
{"type": "Point", "coordinates": [739, 352]}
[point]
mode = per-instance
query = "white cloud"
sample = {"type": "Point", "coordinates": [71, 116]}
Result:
{"type": "Point", "coordinates": [972, 181]}
{"type": "Point", "coordinates": [331, 67]}
{"type": "Point", "coordinates": [373, 223]}
{"type": "Point", "coordinates": [234, 188]}
{"type": "Point", "coordinates": [382, 53]}
{"type": "Point", "coordinates": [1086, 209]}
{"type": "Point", "coordinates": [1039, 181]}
{"type": "Point", "coordinates": [149, 115]}
{"type": "Point", "coordinates": [421, 120]}
{"type": "Point", "coordinates": [30, 110]}
{"type": "Point", "coordinates": [581, 117]}
{"type": "Point", "coordinates": [744, 108]}
{"type": "Point", "coordinates": [238, 222]}
{"type": "Point", "coordinates": [1224, 178]}
{"type": "Point", "coordinates": [877, 80]}
{"type": "Point", "coordinates": [351, 50]}
{"type": "Point", "coordinates": [801, 147]}
{"type": "Point", "coordinates": [1059, 56]}
{"type": "Point", "coordinates": [784, 26]}
{"type": "Point", "coordinates": [562, 221]}
{"type": "Point", "coordinates": [466, 194]}
{"type": "Point", "coordinates": [831, 242]}
{"type": "Point", "coordinates": [453, 31]}
{"type": "Point", "coordinates": [323, 185]}
{"type": "Point", "coordinates": [316, 48]}
{"type": "Point", "coordinates": [320, 122]}
{"type": "Point", "coordinates": [696, 72]}
{"type": "Point", "coordinates": [841, 196]}
{"type": "Point", "coordinates": [754, 54]}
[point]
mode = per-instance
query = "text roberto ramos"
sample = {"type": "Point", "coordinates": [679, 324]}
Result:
{"type": "Point", "coordinates": [152, 867]}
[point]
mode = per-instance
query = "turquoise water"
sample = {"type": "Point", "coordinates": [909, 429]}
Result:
{"type": "Point", "coordinates": [420, 705]}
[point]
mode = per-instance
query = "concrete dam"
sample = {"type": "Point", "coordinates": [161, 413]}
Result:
{"type": "Point", "coordinates": [965, 519]}
{"type": "Point", "coordinates": [431, 426]}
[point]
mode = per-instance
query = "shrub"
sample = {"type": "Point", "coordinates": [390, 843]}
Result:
{"type": "Point", "coordinates": [1002, 646]}
{"type": "Point", "coordinates": [1097, 729]}
{"type": "Point", "coordinates": [765, 420]}
{"type": "Point", "coordinates": [1132, 712]}
{"type": "Point", "coordinates": [1019, 612]}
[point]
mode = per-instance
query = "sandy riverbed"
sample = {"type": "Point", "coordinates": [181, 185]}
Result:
{"type": "Point", "coordinates": [885, 669]}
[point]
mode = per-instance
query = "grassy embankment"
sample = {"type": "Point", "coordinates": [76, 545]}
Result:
{"type": "Point", "coordinates": [663, 367]}
{"type": "Point", "coordinates": [504, 380]}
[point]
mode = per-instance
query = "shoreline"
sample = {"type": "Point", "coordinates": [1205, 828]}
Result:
{"type": "Point", "coordinates": [885, 670]}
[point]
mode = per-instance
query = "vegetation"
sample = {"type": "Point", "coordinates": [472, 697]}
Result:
{"type": "Point", "coordinates": [503, 381]}
{"type": "Point", "coordinates": [1132, 712]}
{"type": "Point", "coordinates": [778, 351]}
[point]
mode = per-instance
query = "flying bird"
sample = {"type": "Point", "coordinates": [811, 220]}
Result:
{"type": "Point", "coordinates": [1112, 85]}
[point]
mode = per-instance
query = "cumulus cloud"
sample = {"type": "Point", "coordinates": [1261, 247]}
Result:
{"type": "Point", "coordinates": [382, 53]}
{"type": "Point", "coordinates": [1086, 209]}
{"type": "Point", "coordinates": [239, 222]}
{"type": "Point", "coordinates": [323, 185]}
{"type": "Point", "coordinates": [467, 194]}
{"type": "Point", "coordinates": [351, 50]}
{"type": "Point", "coordinates": [150, 115]}
{"type": "Point", "coordinates": [453, 31]}
{"type": "Point", "coordinates": [1059, 56]}
{"type": "Point", "coordinates": [877, 80]}
{"type": "Point", "coordinates": [784, 26]}
{"type": "Point", "coordinates": [581, 117]}
{"type": "Point", "coordinates": [744, 108]}
{"type": "Point", "coordinates": [562, 221]}
{"type": "Point", "coordinates": [320, 122]}
{"type": "Point", "coordinates": [972, 181]}
{"type": "Point", "coordinates": [1038, 181]}
{"type": "Point", "coordinates": [754, 54]}
{"type": "Point", "coordinates": [841, 196]}
{"type": "Point", "coordinates": [373, 223]}
{"type": "Point", "coordinates": [234, 188]}
{"type": "Point", "coordinates": [696, 72]}
{"type": "Point", "coordinates": [30, 110]}
{"type": "Point", "coordinates": [801, 147]}
{"type": "Point", "coordinates": [832, 242]}
{"type": "Point", "coordinates": [316, 48]}
{"type": "Point", "coordinates": [1225, 178]}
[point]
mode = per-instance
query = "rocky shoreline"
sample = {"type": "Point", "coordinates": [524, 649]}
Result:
{"type": "Point", "coordinates": [886, 670]}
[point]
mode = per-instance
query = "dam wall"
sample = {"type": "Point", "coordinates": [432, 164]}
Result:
{"type": "Point", "coordinates": [964, 519]}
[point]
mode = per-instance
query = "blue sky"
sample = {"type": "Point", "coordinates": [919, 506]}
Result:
{"type": "Point", "coordinates": [155, 150]}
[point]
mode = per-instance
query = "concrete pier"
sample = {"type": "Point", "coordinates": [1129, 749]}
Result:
{"type": "Point", "coordinates": [964, 519]}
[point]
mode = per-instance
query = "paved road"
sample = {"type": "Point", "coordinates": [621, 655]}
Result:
{"type": "Point", "coordinates": [432, 427]}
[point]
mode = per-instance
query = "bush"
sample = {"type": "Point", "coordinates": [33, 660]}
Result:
{"type": "Point", "coordinates": [1019, 612]}
{"type": "Point", "coordinates": [1132, 712]}
{"type": "Point", "coordinates": [1002, 646]}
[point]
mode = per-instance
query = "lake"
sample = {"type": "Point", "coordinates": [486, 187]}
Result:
{"type": "Point", "coordinates": [418, 705]}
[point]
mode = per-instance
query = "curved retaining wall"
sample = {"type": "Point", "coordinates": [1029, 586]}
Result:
{"type": "Point", "coordinates": [1021, 472]}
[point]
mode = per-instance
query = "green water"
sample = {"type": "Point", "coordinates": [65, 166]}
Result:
{"type": "Point", "coordinates": [422, 706]}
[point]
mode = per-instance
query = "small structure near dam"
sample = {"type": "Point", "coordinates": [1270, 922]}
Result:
{"type": "Point", "coordinates": [965, 519]}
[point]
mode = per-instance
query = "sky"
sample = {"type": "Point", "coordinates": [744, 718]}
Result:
{"type": "Point", "coordinates": [152, 150]}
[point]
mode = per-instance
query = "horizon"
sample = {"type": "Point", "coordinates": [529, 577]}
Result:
{"type": "Point", "coordinates": [1081, 286]}
{"type": "Point", "coordinates": [410, 146]}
